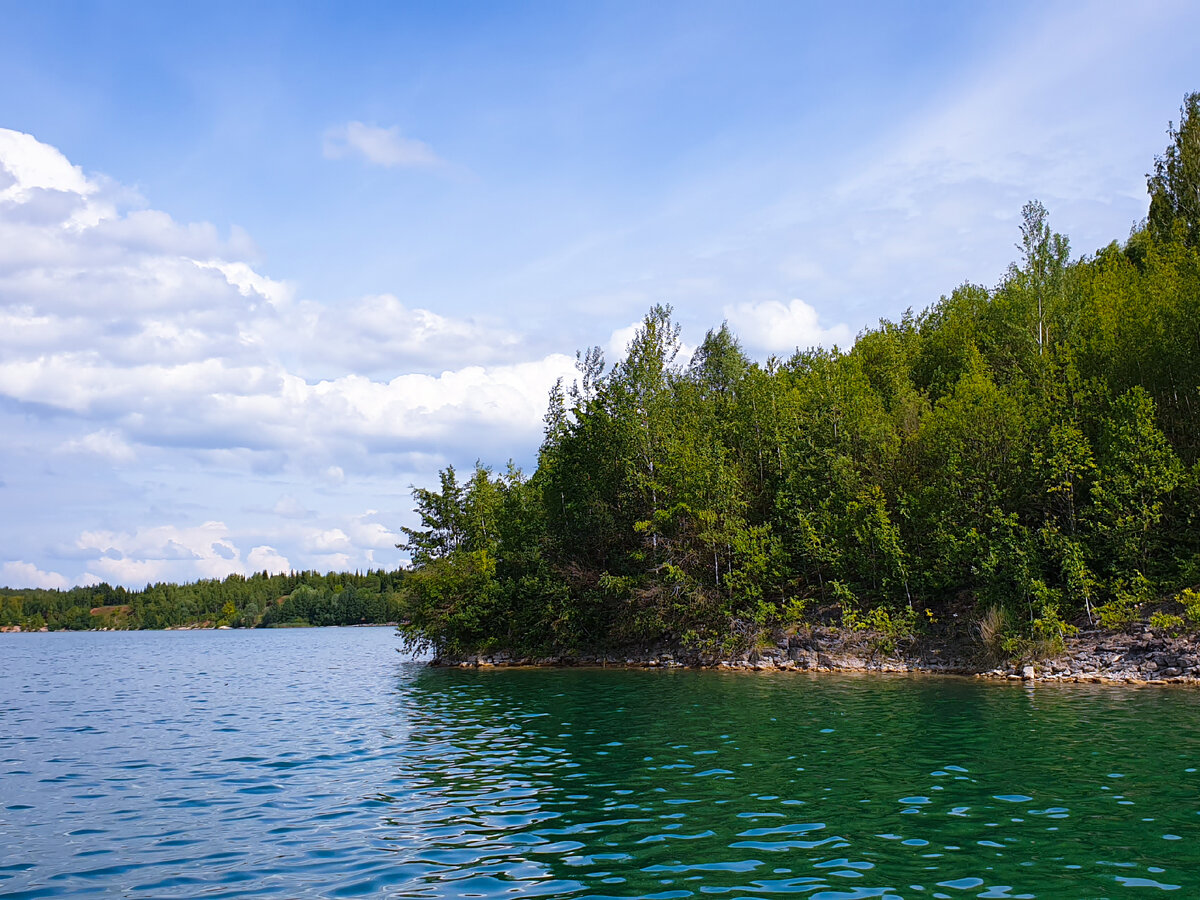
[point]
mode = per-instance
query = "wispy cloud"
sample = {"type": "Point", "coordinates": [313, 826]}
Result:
{"type": "Point", "coordinates": [105, 443]}
{"type": "Point", "coordinates": [380, 146]}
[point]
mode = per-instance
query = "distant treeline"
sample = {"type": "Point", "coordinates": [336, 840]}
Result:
{"type": "Point", "coordinates": [1025, 456]}
{"type": "Point", "coordinates": [301, 598]}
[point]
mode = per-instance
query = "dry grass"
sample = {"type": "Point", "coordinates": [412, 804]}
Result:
{"type": "Point", "coordinates": [991, 632]}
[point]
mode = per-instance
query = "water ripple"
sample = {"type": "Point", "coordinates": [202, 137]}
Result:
{"type": "Point", "coordinates": [319, 764]}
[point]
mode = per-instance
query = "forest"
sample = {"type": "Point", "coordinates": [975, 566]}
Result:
{"type": "Point", "coordinates": [1009, 465]}
{"type": "Point", "coordinates": [258, 600]}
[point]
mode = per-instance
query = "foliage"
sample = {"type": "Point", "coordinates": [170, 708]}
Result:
{"type": "Point", "coordinates": [890, 629]}
{"type": "Point", "coordinates": [1175, 185]}
{"type": "Point", "coordinates": [1167, 623]}
{"type": "Point", "coordinates": [1129, 594]}
{"type": "Point", "coordinates": [1191, 605]}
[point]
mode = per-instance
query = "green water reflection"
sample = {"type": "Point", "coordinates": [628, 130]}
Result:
{"type": "Point", "coordinates": [688, 784]}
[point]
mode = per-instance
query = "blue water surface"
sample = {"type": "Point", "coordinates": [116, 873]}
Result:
{"type": "Point", "coordinates": [321, 763]}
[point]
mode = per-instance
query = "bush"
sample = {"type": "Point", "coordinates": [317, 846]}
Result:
{"type": "Point", "coordinates": [1167, 623]}
{"type": "Point", "coordinates": [891, 628]}
{"type": "Point", "coordinates": [1191, 605]}
{"type": "Point", "coordinates": [1128, 596]}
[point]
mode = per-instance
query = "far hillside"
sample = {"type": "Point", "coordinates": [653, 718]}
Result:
{"type": "Point", "coordinates": [258, 600]}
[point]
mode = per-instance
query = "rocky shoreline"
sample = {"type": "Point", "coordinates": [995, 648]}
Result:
{"type": "Point", "coordinates": [1138, 656]}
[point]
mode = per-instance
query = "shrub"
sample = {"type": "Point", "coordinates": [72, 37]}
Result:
{"type": "Point", "coordinates": [891, 628]}
{"type": "Point", "coordinates": [1191, 605]}
{"type": "Point", "coordinates": [1128, 596]}
{"type": "Point", "coordinates": [1167, 623]}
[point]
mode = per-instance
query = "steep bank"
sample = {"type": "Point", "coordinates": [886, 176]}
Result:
{"type": "Point", "coordinates": [1137, 657]}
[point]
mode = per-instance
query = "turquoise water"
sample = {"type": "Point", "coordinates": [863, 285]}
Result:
{"type": "Point", "coordinates": [320, 763]}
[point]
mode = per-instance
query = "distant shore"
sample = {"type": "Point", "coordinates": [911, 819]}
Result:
{"type": "Point", "coordinates": [1136, 657]}
{"type": "Point", "coordinates": [198, 626]}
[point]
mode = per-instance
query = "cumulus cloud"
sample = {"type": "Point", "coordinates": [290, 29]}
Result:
{"type": "Point", "coordinates": [380, 146]}
{"type": "Point", "coordinates": [250, 283]}
{"type": "Point", "coordinates": [372, 534]}
{"type": "Point", "coordinates": [619, 341]}
{"type": "Point", "coordinates": [40, 179]}
{"type": "Point", "coordinates": [19, 574]}
{"type": "Point", "coordinates": [132, 344]}
{"type": "Point", "coordinates": [329, 541]}
{"type": "Point", "coordinates": [158, 553]}
{"type": "Point", "coordinates": [173, 553]}
{"type": "Point", "coordinates": [778, 327]}
{"type": "Point", "coordinates": [381, 333]}
{"type": "Point", "coordinates": [163, 335]}
{"type": "Point", "coordinates": [267, 559]}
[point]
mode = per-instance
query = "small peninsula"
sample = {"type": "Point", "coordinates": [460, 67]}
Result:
{"type": "Point", "coordinates": [992, 481]}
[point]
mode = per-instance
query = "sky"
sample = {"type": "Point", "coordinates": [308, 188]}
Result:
{"type": "Point", "coordinates": [265, 267]}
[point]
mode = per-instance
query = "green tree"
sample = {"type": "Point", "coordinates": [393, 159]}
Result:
{"type": "Point", "coordinates": [1137, 470]}
{"type": "Point", "coordinates": [1175, 184]}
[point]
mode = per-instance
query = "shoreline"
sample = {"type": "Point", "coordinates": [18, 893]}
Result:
{"type": "Point", "coordinates": [200, 626]}
{"type": "Point", "coordinates": [1138, 657]}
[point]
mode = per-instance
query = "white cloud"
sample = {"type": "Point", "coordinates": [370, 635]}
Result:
{"type": "Point", "coordinates": [781, 328]}
{"type": "Point", "coordinates": [173, 553]}
{"type": "Point", "coordinates": [182, 553]}
{"type": "Point", "coordinates": [104, 443]}
{"type": "Point", "coordinates": [267, 559]}
{"type": "Point", "coordinates": [40, 176]}
{"type": "Point", "coordinates": [619, 341]}
{"type": "Point", "coordinates": [381, 333]}
{"type": "Point", "coordinates": [250, 283]}
{"type": "Point", "coordinates": [329, 541]}
{"type": "Point", "coordinates": [381, 146]}
{"type": "Point", "coordinates": [163, 337]}
{"type": "Point", "coordinates": [27, 575]}
{"type": "Point", "coordinates": [373, 535]}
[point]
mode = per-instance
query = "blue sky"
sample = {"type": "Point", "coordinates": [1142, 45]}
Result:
{"type": "Point", "coordinates": [265, 266]}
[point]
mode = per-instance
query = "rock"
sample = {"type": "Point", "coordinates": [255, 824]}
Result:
{"type": "Point", "coordinates": [1028, 673]}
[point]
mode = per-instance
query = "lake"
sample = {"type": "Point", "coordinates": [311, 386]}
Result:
{"type": "Point", "coordinates": [322, 763]}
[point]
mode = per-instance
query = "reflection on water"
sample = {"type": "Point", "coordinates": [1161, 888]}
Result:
{"type": "Point", "coordinates": [319, 763]}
